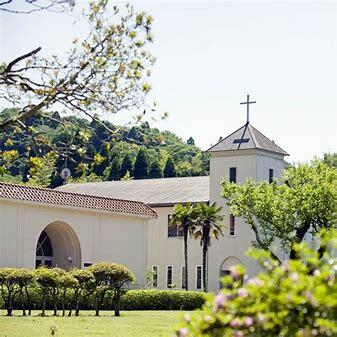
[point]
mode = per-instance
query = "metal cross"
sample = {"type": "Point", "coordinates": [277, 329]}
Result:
{"type": "Point", "coordinates": [247, 103]}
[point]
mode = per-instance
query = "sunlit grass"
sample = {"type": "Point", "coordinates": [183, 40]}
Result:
{"type": "Point", "coordinates": [130, 324]}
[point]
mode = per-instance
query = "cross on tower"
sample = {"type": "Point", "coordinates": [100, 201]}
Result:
{"type": "Point", "coordinates": [247, 103]}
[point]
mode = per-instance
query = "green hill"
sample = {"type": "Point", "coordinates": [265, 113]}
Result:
{"type": "Point", "coordinates": [93, 150]}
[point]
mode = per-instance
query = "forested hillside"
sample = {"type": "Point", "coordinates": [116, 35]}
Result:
{"type": "Point", "coordinates": [38, 151]}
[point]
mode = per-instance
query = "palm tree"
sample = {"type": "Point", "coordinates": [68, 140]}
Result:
{"type": "Point", "coordinates": [207, 226]}
{"type": "Point", "coordinates": [184, 218]}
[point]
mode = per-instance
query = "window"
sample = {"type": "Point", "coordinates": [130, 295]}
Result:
{"type": "Point", "coordinates": [232, 174]}
{"type": "Point", "coordinates": [231, 224]}
{"type": "Point", "coordinates": [173, 231]}
{"type": "Point", "coordinates": [169, 276]}
{"type": "Point", "coordinates": [271, 175]}
{"type": "Point", "coordinates": [183, 284]}
{"type": "Point", "coordinates": [198, 277]}
{"type": "Point", "coordinates": [154, 276]}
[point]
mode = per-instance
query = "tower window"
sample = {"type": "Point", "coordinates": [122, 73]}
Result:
{"type": "Point", "coordinates": [169, 273]}
{"type": "Point", "coordinates": [198, 277]}
{"type": "Point", "coordinates": [271, 176]}
{"type": "Point", "coordinates": [173, 231]}
{"type": "Point", "coordinates": [231, 224]}
{"type": "Point", "coordinates": [154, 276]}
{"type": "Point", "coordinates": [232, 174]}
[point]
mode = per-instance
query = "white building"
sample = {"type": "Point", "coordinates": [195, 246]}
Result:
{"type": "Point", "coordinates": [81, 224]}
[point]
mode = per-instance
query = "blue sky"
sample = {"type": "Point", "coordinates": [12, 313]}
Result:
{"type": "Point", "coordinates": [210, 55]}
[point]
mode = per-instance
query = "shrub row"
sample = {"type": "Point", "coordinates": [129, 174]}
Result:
{"type": "Point", "coordinates": [162, 300]}
{"type": "Point", "coordinates": [147, 299]}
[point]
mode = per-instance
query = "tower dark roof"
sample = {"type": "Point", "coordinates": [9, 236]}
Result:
{"type": "Point", "coordinates": [247, 137]}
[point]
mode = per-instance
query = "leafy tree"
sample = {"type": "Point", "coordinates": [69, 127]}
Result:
{"type": "Point", "coordinates": [126, 166]}
{"type": "Point", "coordinates": [297, 298]}
{"type": "Point", "coordinates": [303, 202]}
{"type": "Point", "coordinates": [141, 168]}
{"type": "Point", "coordinates": [207, 226]}
{"type": "Point", "coordinates": [190, 141]}
{"type": "Point", "coordinates": [47, 280]}
{"type": "Point", "coordinates": [184, 218]}
{"type": "Point", "coordinates": [25, 278]}
{"type": "Point", "coordinates": [169, 170]}
{"type": "Point", "coordinates": [101, 160]}
{"type": "Point", "coordinates": [84, 281]}
{"type": "Point", "coordinates": [155, 170]}
{"type": "Point", "coordinates": [110, 277]}
{"type": "Point", "coordinates": [107, 70]}
{"type": "Point", "coordinates": [330, 159]}
{"type": "Point", "coordinates": [66, 282]}
{"type": "Point", "coordinates": [9, 287]}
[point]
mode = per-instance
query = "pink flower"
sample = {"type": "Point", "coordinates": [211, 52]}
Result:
{"type": "Point", "coordinates": [255, 281]}
{"type": "Point", "coordinates": [294, 277]}
{"type": "Point", "coordinates": [238, 333]}
{"type": "Point", "coordinates": [220, 301]}
{"type": "Point", "coordinates": [235, 323]}
{"type": "Point", "coordinates": [242, 292]}
{"type": "Point", "coordinates": [183, 332]}
{"type": "Point", "coordinates": [234, 273]}
{"type": "Point", "coordinates": [248, 321]}
{"type": "Point", "coordinates": [187, 318]}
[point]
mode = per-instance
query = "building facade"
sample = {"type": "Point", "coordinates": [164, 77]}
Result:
{"type": "Point", "coordinates": [79, 235]}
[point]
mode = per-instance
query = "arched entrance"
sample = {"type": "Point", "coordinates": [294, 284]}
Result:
{"type": "Point", "coordinates": [225, 266]}
{"type": "Point", "coordinates": [58, 246]}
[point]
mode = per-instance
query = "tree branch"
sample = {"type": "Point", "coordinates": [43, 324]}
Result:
{"type": "Point", "coordinates": [20, 58]}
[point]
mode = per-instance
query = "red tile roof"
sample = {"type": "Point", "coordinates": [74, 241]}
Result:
{"type": "Point", "coordinates": [50, 196]}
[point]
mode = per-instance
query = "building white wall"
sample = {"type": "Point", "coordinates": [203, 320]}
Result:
{"type": "Point", "coordinates": [254, 164]}
{"type": "Point", "coordinates": [164, 251]}
{"type": "Point", "coordinates": [102, 236]}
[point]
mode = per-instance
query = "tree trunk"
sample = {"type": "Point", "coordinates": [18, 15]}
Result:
{"type": "Point", "coordinates": [23, 303]}
{"type": "Point", "coordinates": [204, 268]}
{"type": "Point", "coordinates": [77, 308]}
{"type": "Point", "coordinates": [29, 304]}
{"type": "Point", "coordinates": [185, 256]}
{"type": "Point", "coordinates": [300, 233]}
{"type": "Point", "coordinates": [117, 302]}
{"type": "Point", "coordinates": [206, 228]}
{"type": "Point", "coordinates": [43, 304]}
{"type": "Point", "coordinates": [9, 311]}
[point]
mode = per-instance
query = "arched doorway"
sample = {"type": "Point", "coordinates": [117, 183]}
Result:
{"type": "Point", "coordinates": [225, 266]}
{"type": "Point", "coordinates": [58, 246]}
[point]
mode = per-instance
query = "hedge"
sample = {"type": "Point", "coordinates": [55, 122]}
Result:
{"type": "Point", "coordinates": [147, 299]}
{"type": "Point", "coordinates": [151, 299]}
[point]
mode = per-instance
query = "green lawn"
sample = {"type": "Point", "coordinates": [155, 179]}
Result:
{"type": "Point", "coordinates": [130, 324]}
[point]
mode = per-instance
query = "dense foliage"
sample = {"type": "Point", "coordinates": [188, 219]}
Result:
{"type": "Point", "coordinates": [102, 283]}
{"type": "Point", "coordinates": [151, 299]}
{"type": "Point", "coordinates": [295, 299]}
{"type": "Point", "coordinates": [91, 152]}
{"type": "Point", "coordinates": [287, 211]}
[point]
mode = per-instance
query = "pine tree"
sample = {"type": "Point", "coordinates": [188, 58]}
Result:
{"type": "Point", "coordinates": [155, 170]}
{"type": "Point", "coordinates": [133, 133]}
{"type": "Point", "coordinates": [141, 168]}
{"type": "Point", "coordinates": [126, 166]}
{"type": "Point", "coordinates": [190, 141]}
{"type": "Point", "coordinates": [169, 170]}
{"type": "Point", "coordinates": [115, 169]}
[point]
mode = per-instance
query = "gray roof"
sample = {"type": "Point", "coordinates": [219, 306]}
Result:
{"type": "Point", "coordinates": [162, 191]}
{"type": "Point", "coordinates": [247, 137]}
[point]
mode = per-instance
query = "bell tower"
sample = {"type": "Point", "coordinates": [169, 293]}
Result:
{"type": "Point", "coordinates": [245, 153]}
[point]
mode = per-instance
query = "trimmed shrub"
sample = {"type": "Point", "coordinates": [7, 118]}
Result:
{"type": "Point", "coordinates": [151, 299]}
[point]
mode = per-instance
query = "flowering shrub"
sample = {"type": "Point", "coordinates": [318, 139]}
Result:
{"type": "Point", "coordinates": [295, 299]}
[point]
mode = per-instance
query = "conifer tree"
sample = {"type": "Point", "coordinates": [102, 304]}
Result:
{"type": "Point", "coordinates": [126, 166]}
{"type": "Point", "coordinates": [115, 169]}
{"type": "Point", "coordinates": [141, 168]}
{"type": "Point", "coordinates": [155, 170]}
{"type": "Point", "coordinates": [133, 133]}
{"type": "Point", "coordinates": [169, 170]}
